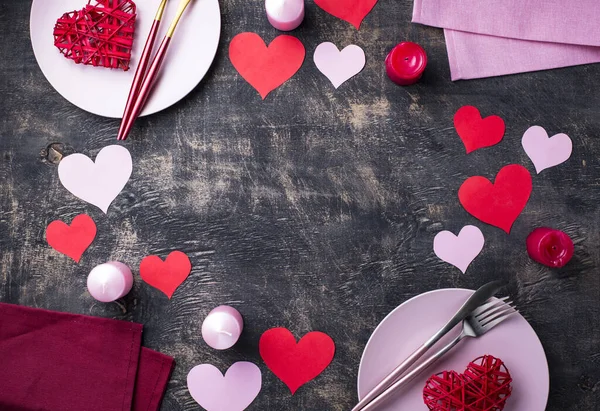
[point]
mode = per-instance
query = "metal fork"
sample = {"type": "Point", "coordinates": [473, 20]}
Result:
{"type": "Point", "coordinates": [481, 320]}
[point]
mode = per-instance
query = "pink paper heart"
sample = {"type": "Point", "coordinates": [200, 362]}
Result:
{"type": "Point", "coordinates": [339, 66]}
{"type": "Point", "coordinates": [99, 182]}
{"type": "Point", "coordinates": [459, 250]}
{"type": "Point", "coordinates": [233, 392]}
{"type": "Point", "coordinates": [544, 151]}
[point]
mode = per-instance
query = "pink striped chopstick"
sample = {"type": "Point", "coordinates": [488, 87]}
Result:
{"type": "Point", "coordinates": [148, 80]}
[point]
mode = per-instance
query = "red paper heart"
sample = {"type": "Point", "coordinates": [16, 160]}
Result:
{"type": "Point", "coordinates": [484, 386]}
{"type": "Point", "coordinates": [71, 240]}
{"type": "Point", "coordinates": [352, 11]}
{"type": "Point", "coordinates": [266, 68]}
{"type": "Point", "coordinates": [99, 35]}
{"type": "Point", "coordinates": [296, 364]}
{"type": "Point", "coordinates": [476, 132]}
{"type": "Point", "coordinates": [166, 275]}
{"type": "Point", "coordinates": [498, 204]}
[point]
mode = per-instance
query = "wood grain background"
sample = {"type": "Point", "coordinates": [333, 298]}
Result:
{"type": "Point", "coordinates": [313, 210]}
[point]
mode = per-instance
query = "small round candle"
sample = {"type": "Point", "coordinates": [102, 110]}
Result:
{"type": "Point", "coordinates": [285, 15]}
{"type": "Point", "coordinates": [109, 281]}
{"type": "Point", "coordinates": [222, 327]}
{"type": "Point", "coordinates": [550, 247]}
{"type": "Point", "coordinates": [405, 63]}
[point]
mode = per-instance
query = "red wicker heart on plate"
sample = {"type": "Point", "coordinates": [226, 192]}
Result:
{"type": "Point", "coordinates": [99, 34]}
{"type": "Point", "coordinates": [484, 386]}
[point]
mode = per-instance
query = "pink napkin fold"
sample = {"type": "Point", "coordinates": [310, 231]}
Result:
{"type": "Point", "coordinates": [476, 55]}
{"type": "Point", "coordinates": [487, 39]}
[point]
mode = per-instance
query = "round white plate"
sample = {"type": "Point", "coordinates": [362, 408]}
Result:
{"type": "Point", "coordinates": [104, 91]}
{"type": "Point", "coordinates": [413, 322]}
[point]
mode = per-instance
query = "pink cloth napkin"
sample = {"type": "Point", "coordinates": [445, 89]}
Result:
{"type": "Point", "coordinates": [487, 39]}
{"type": "Point", "coordinates": [476, 55]}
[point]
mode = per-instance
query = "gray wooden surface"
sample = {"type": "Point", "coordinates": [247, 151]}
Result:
{"type": "Point", "coordinates": [314, 209]}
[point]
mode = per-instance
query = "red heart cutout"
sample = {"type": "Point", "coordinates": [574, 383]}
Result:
{"type": "Point", "coordinates": [352, 11]}
{"type": "Point", "coordinates": [296, 364]}
{"type": "Point", "coordinates": [71, 240]}
{"type": "Point", "coordinates": [476, 132]}
{"type": "Point", "coordinates": [100, 34]}
{"type": "Point", "coordinates": [266, 68]}
{"type": "Point", "coordinates": [484, 386]}
{"type": "Point", "coordinates": [166, 275]}
{"type": "Point", "coordinates": [498, 204]}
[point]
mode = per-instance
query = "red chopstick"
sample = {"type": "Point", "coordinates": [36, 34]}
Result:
{"type": "Point", "coordinates": [147, 82]}
{"type": "Point", "coordinates": [141, 69]}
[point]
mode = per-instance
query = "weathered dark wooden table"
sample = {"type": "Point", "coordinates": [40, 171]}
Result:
{"type": "Point", "coordinates": [314, 209]}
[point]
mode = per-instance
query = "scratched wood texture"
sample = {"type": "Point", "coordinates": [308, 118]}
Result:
{"type": "Point", "coordinates": [313, 210]}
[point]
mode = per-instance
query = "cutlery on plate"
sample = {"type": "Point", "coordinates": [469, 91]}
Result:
{"type": "Point", "coordinates": [148, 80]}
{"type": "Point", "coordinates": [478, 298]}
{"type": "Point", "coordinates": [142, 66]}
{"type": "Point", "coordinates": [480, 321]}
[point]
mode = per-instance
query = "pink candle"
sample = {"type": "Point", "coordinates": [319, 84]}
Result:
{"type": "Point", "coordinates": [406, 63]}
{"type": "Point", "coordinates": [550, 247]}
{"type": "Point", "coordinates": [110, 281]}
{"type": "Point", "coordinates": [285, 15]}
{"type": "Point", "coordinates": [222, 327]}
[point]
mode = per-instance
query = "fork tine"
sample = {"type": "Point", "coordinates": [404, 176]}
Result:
{"type": "Point", "coordinates": [493, 310]}
{"type": "Point", "coordinates": [490, 306]}
{"type": "Point", "coordinates": [482, 308]}
{"type": "Point", "coordinates": [492, 322]}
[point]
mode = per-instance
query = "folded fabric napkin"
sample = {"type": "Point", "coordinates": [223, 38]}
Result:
{"type": "Point", "coordinates": [495, 38]}
{"type": "Point", "coordinates": [476, 56]}
{"type": "Point", "coordinates": [53, 361]}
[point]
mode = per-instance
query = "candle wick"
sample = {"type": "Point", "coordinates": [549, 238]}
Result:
{"type": "Point", "coordinates": [225, 332]}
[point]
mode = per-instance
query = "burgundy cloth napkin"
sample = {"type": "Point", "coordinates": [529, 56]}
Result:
{"type": "Point", "coordinates": [153, 373]}
{"type": "Point", "coordinates": [52, 361]}
{"type": "Point", "coordinates": [491, 38]}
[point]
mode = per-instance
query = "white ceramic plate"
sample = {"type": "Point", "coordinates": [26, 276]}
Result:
{"type": "Point", "coordinates": [104, 91]}
{"type": "Point", "coordinates": [413, 322]}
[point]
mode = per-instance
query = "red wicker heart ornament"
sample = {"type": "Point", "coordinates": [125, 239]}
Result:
{"type": "Point", "coordinates": [99, 34]}
{"type": "Point", "coordinates": [484, 386]}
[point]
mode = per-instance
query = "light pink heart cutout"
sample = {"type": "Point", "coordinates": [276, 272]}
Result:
{"type": "Point", "coordinates": [233, 392]}
{"type": "Point", "coordinates": [339, 66]}
{"type": "Point", "coordinates": [544, 151]}
{"type": "Point", "coordinates": [99, 182]}
{"type": "Point", "coordinates": [459, 250]}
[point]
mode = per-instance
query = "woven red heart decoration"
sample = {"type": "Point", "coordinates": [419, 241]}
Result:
{"type": "Point", "coordinates": [99, 34]}
{"type": "Point", "coordinates": [484, 386]}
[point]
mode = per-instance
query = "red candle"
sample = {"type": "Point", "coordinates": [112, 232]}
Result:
{"type": "Point", "coordinates": [550, 247]}
{"type": "Point", "coordinates": [405, 63]}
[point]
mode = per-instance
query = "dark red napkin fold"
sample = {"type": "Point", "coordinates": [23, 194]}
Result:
{"type": "Point", "coordinates": [52, 361]}
{"type": "Point", "coordinates": [154, 371]}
